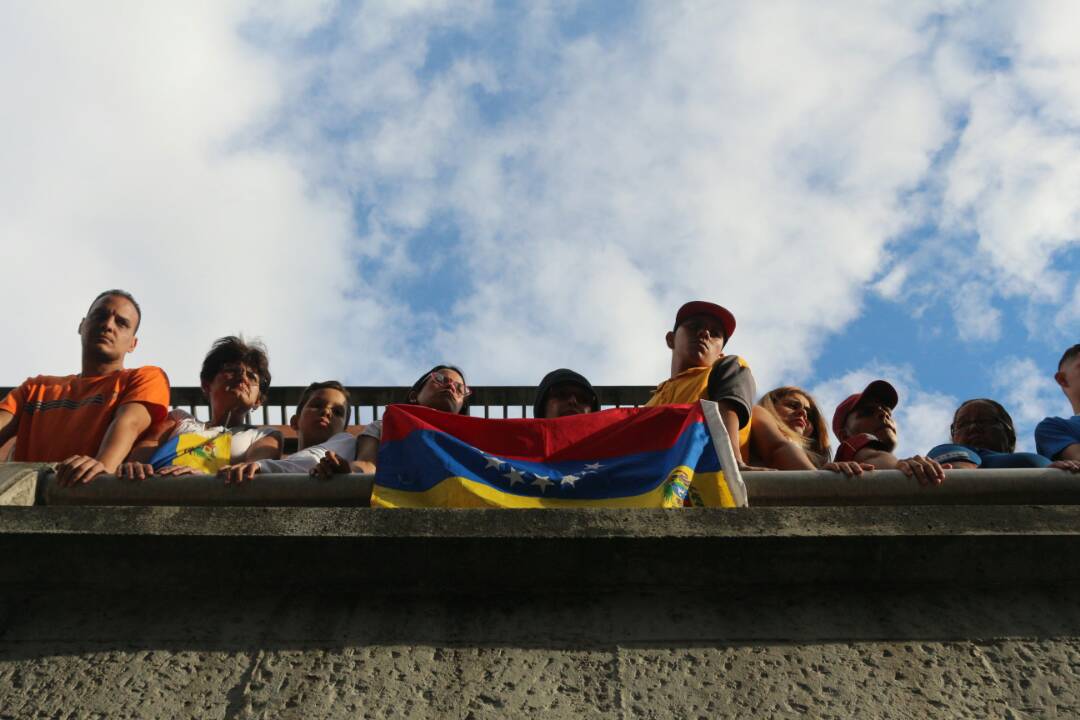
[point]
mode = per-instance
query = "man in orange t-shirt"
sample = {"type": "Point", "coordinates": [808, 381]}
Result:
{"type": "Point", "coordinates": [89, 422]}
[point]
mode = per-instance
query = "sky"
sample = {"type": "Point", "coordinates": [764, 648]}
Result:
{"type": "Point", "coordinates": [876, 190]}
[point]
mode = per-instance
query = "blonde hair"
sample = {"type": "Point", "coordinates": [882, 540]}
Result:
{"type": "Point", "coordinates": [817, 444]}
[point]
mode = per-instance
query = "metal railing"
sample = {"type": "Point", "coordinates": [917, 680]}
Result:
{"type": "Point", "coordinates": [369, 402]}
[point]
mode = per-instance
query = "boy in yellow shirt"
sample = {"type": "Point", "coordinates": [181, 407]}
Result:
{"type": "Point", "coordinates": [700, 370]}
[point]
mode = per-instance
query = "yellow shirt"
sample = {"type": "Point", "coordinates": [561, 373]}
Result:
{"type": "Point", "coordinates": [692, 385]}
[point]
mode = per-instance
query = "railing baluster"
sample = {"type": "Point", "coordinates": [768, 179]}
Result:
{"type": "Point", "coordinates": [489, 402]}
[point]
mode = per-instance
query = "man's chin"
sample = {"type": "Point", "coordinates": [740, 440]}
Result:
{"type": "Point", "coordinates": [698, 359]}
{"type": "Point", "coordinates": [887, 439]}
{"type": "Point", "coordinates": [100, 352]}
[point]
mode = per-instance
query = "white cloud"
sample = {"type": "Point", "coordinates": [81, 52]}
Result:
{"type": "Point", "coordinates": [1015, 175]}
{"type": "Point", "coordinates": [731, 153]}
{"type": "Point", "coordinates": [1029, 394]}
{"type": "Point", "coordinates": [279, 169]}
{"type": "Point", "coordinates": [129, 139]}
{"type": "Point", "coordinates": [976, 318]}
{"type": "Point", "coordinates": [1067, 319]}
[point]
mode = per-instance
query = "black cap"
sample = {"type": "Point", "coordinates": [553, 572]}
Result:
{"type": "Point", "coordinates": [555, 377]}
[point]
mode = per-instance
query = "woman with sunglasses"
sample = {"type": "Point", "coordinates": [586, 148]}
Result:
{"type": "Point", "coordinates": [788, 432]}
{"type": "Point", "coordinates": [442, 387]}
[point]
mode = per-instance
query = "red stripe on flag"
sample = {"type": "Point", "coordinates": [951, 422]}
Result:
{"type": "Point", "coordinates": [595, 436]}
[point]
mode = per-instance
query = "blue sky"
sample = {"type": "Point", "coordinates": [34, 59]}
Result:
{"type": "Point", "coordinates": [371, 187]}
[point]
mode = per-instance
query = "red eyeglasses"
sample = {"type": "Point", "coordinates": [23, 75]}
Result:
{"type": "Point", "coordinates": [445, 380]}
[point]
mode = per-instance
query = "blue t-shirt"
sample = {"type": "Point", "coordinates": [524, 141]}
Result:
{"type": "Point", "coordinates": [991, 459]}
{"type": "Point", "coordinates": [987, 459]}
{"type": "Point", "coordinates": [1054, 434]}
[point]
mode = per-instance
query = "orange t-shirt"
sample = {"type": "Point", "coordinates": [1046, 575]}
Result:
{"type": "Point", "coordinates": [63, 416]}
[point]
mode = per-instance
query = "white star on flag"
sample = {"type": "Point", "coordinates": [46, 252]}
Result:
{"type": "Point", "coordinates": [568, 480]}
{"type": "Point", "coordinates": [542, 482]}
{"type": "Point", "coordinates": [514, 476]}
{"type": "Point", "coordinates": [492, 462]}
{"type": "Point", "coordinates": [593, 466]}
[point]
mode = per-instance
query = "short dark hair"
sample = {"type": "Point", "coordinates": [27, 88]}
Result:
{"type": "Point", "coordinates": [419, 384]}
{"type": "Point", "coordinates": [325, 385]}
{"type": "Point", "coordinates": [1069, 355]}
{"type": "Point", "coordinates": [127, 296]}
{"type": "Point", "coordinates": [1002, 415]}
{"type": "Point", "coordinates": [231, 349]}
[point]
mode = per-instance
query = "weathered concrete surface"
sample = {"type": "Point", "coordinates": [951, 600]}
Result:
{"type": "Point", "coordinates": [202, 634]}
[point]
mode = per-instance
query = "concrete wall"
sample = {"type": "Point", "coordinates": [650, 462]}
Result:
{"type": "Point", "coordinates": [348, 612]}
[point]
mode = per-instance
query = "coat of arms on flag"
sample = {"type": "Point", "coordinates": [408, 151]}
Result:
{"type": "Point", "coordinates": [668, 456]}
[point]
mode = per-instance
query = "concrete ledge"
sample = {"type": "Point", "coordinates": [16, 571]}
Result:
{"type": "Point", "coordinates": [25, 484]}
{"type": "Point", "coordinates": [475, 550]}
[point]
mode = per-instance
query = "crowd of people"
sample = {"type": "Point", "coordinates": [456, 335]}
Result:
{"type": "Point", "coordinates": [118, 420]}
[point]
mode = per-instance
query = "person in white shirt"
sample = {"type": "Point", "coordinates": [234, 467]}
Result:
{"type": "Point", "coordinates": [320, 421]}
{"type": "Point", "coordinates": [442, 387]}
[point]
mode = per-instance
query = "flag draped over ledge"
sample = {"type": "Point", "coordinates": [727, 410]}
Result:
{"type": "Point", "coordinates": [625, 457]}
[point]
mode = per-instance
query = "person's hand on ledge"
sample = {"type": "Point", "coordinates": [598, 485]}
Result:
{"type": "Point", "coordinates": [134, 470]}
{"type": "Point", "coordinates": [329, 465]}
{"type": "Point", "coordinates": [923, 469]}
{"type": "Point", "coordinates": [848, 467]}
{"type": "Point", "coordinates": [79, 469]}
{"type": "Point", "coordinates": [238, 474]}
{"type": "Point", "coordinates": [1072, 466]}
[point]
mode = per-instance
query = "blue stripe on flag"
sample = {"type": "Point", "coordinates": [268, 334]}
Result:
{"type": "Point", "coordinates": [424, 458]}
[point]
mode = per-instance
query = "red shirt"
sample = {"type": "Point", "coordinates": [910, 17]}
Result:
{"type": "Point", "coordinates": [853, 445]}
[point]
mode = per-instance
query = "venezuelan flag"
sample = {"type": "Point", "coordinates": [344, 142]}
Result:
{"type": "Point", "coordinates": [626, 457]}
{"type": "Point", "coordinates": [206, 454]}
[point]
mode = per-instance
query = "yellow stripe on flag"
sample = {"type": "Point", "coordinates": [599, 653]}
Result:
{"type": "Point", "coordinates": [461, 492]}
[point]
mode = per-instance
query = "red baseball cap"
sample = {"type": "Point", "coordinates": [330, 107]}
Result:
{"type": "Point", "coordinates": [878, 390]}
{"type": "Point", "coordinates": [700, 307]}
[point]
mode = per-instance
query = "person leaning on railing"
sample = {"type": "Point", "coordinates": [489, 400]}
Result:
{"type": "Point", "coordinates": [1059, 438]}
{"type": "Point", "coordinates": [441, 388]}
{"type": "Point", "coordinates": [864, 424]}
{"type": "Point", "coordinates": [788, 432]}
{"type": "Point", "coordinates": [701, 371]}
{"type": "Point", "coordinates": [320, 421]}
{"type": "Point", "coordinates": [89, 422]}
{"type": "Point", "coordinates": [564, 392]}
{"type": "Point", "coordinates": [983, 436]}
{"type": "Point", "coordinates": [235, 376]}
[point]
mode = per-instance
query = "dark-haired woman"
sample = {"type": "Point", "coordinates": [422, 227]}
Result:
{"type": "Point", "coordinates": [442, 387]}
{"type": "Point", "coordinates": [235, 376]}
{"type": "Point", "coordinates": [983, 436]}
